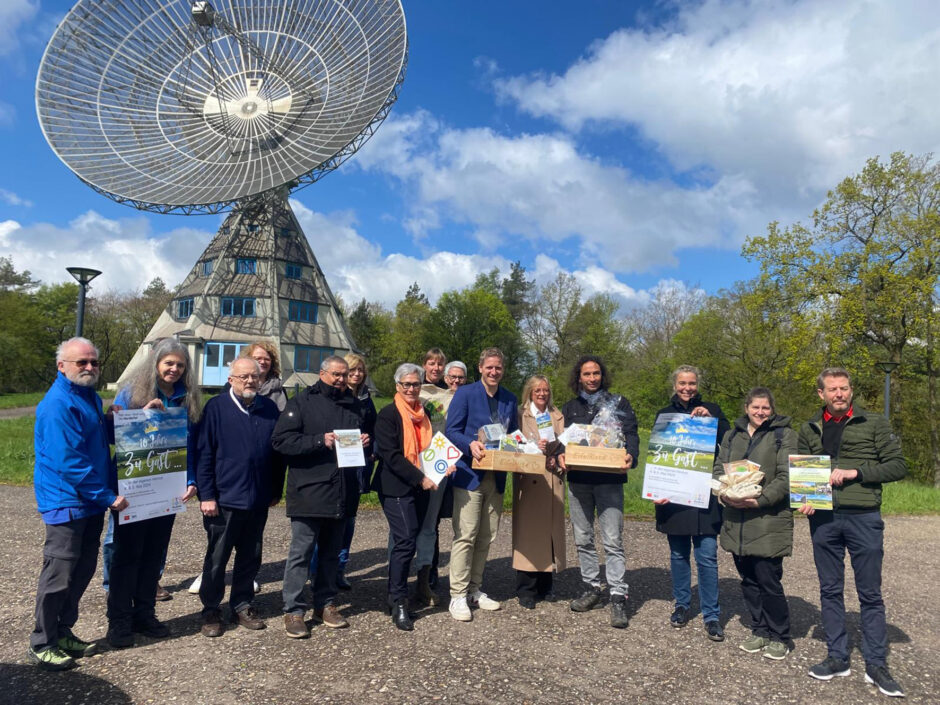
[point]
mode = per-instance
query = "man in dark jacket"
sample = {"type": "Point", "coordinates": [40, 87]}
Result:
{"type": "Point", "coordinates": [319, 493]}
{"type": "Point", "coordinates": [238, 475]}
{"type": "Point", "coordinates": [72, 493]}
{"type": "Point", "coordinates": [600, 491]}
{"type": "Point", "coordinates": [865, 453]}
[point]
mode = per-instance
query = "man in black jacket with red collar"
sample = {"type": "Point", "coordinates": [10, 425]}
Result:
{"type": "Point", "coordinates": [320, 494]}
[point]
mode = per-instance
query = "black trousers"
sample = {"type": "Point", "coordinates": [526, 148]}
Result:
{"type": "Point", "coordinates": [533, 583]}
{"type": "Point", "coordinates": [863, 536]}
{"type": "Point", "coordinates": [405, 516]}
{"type": "Point", "coordinates": [241, 530]}
{"type": "Point", "coordinates": [69, 558]}
{"type": "Point", "coordinates": [139, 549]}
{"type": "Point", "coordinates": [763, 596]}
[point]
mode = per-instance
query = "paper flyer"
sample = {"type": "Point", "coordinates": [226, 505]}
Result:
{"type": "Point", "coordinates": [437, 457]}
{"type": "Point", "coordinates": [349, 452]}
{"type": "Point", "coordinates": [544, 421]}
{"type": "Point", "coordinates": [150, 455]}
{"type": "Point", "coordinates": [679, 459]}
{"type": "Point", "coordinates": [809, 481]}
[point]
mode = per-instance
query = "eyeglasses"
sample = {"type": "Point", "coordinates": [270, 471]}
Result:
{"type": "Point", "coordinates": [457, 378]}
{"type": "Point", "coordinates": [410, 385]}
{"type": "Point", "coordinates": [84, 363]}
{"type": "Point", "coordinates": [245, 378]}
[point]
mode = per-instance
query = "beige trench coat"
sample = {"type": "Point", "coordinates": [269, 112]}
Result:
{"type": "Point", "coordinates": [538, 509]}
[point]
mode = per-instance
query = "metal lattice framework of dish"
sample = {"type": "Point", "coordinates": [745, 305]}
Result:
{"type": "Point", "coordinates": [180, 106]}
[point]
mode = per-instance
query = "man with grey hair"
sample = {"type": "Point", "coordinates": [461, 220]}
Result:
{"type": "Point", "coordinates": [319, 494]}
{"type": "Point", "coordinates": [239, 476]}
{"type": "Point", "coordinates": [70, 480]}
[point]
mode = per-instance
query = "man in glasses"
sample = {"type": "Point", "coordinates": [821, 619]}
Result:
{"type": "Point", "coordinates": [320, 495]}
{"type": "Point", "coordinates": [239, 475]}
{"type": "Point", "coordinates": [71, 485]}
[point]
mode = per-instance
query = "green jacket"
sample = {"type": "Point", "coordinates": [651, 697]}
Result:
{"type": "Point", "coordinates": [869, 446]}
{"type": "Point", "coordinates": [766, 531]}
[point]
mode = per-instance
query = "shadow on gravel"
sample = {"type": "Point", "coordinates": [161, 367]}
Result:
{"type": "Point", "coordinates": [24, 684]}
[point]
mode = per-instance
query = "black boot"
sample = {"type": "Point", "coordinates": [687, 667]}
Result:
{"type": "Point", "coordinates": [400, 616]}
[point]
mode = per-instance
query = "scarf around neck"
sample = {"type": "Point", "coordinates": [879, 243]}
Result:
{"type": "Point", "coordinates": [416, 427]}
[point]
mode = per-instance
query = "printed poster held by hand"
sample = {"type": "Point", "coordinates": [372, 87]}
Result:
{"type": "Point", "coordinates": [348, 445]}
{"type": "Point", "coordinates": [437, 457]}
{"type": "Point", "coordinates": [680, 458]}
{"type": "Point", "coordinates": [150, 455]}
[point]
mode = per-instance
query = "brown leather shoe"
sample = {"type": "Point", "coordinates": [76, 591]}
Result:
{"type": "Point", "coordinates": [330, 617]}
{"type": "Point", "coordinates": [162, 594]}
{"type": "Point", "coordinates": [295, 626]}
{"type": "Point", "coordinates": [248, 619]}
{"type": "Point", "coordinates": [212, 625]}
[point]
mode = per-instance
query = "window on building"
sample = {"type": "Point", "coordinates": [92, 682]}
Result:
{"type": "Point", "coordinates": [238, 306]}
{"type": "Point", "coordinates": [184, 308]}
{"type": "Point", "coordinates": [252, 227]}
{"type": "Point", "coordinates": [207, 267]}
{"type": "Point", "coordinates": [293, 270]}
{"type": "Point", "coordinates": [302, 311]}
{"type": "Point", "coordinates": [285, 232]}
{"type": "Point", "coordinates": [246, 266]}
{"type": "Point", "coordinates": [308, 358]}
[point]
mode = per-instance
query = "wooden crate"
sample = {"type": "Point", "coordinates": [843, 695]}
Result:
{"type": "Point", "coordinates": [594, 459]}
{"type": "Point", "coordinates": [504, 461]}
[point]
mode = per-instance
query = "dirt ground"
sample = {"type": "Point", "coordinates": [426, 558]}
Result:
{"type": "Point", "coordinates": [549, 655]}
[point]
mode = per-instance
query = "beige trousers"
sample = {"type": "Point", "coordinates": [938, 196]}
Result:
{"type": "Point", "coordinates": [476, 521]}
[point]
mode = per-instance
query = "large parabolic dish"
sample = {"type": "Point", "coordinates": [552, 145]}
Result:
{"type": "Point", "coordinates": [173, 105]}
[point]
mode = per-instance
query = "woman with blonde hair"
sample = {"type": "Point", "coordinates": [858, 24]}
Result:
{"type": "Point", "coordinates": [265, 354]}
{"type": "Point", "coordinates": [538, 500]}
{"type": "Point", "coordinates": [165, 380]}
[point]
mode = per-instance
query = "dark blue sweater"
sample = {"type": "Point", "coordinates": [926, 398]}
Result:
{"type": "Point", "coordinates": [236, 466]}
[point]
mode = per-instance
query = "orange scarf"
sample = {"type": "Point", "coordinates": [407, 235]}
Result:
{"type": "Point", "coordinates": [417, 429]}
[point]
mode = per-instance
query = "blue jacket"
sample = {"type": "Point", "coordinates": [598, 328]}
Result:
{"type": "Point", "coordinates": [72, 455]}
{"type": "Point", "coordinates": [176, 399]}
{"type": "Point", "coordinates": [236, 466]}
{"type": "Point", "coordinates": [468, 412]}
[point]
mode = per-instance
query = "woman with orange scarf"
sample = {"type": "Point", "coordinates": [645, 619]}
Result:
{"type": "Point", "coordinates": [402, 431]}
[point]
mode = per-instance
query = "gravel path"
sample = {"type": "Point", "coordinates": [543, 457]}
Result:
{"type": "Point", "coordinates": [550, 655]}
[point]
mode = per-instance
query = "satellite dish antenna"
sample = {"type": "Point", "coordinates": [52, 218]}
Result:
{"type": "Point", "coordinates": [212, 105]}
{"type": "Point", "coordinates": [180, 106]}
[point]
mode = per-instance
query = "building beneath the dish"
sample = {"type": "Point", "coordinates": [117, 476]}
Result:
{"type": "Point", "coordinates": [257, 280]}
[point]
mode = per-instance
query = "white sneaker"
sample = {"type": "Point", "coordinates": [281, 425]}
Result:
{"type": "Point", "coordinates": [483, 601]}
{"type": "Point", "coordinates": [459, 609]}
{"type": "Point", "coordinates": [195, 585]}
{"type": "Point", "coordinates": [257, 587]}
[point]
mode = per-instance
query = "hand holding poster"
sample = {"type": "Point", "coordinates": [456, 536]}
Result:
{"type": "Point", "coordinates": [437, 457]}
{"type": "Point", "coordinates": [680, 458]}
{"type": "Point", "coordinates": [348, 445]}
{"type": "Point", "coordinates": [809, 481]}
{"type": "Point", "coordinates": [150, 454]}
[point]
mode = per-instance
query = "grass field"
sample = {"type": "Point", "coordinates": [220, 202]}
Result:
{"type": "Point", "coordinates": [16, 468]}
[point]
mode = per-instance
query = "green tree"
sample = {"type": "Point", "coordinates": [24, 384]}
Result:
{"type": "Point", "coordinates": [867, 270]}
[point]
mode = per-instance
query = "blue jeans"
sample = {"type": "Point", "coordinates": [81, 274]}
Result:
{"type": "Point", "coordinates": [607, 501]}
{"type": "Point", "coordinates": [307, 532]}
{"type": "Point", "coordinates": [706, 564]}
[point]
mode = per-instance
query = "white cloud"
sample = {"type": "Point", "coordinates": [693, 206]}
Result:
{"type": "Point", "coordinates": [12, 199]}
{"type": "Point", "coordinates": [14, 14]}
{"type": "Point", "coordinates": [126, 251]}
{"type": "Point", "coordinates": [543, 188]}
{"type": "Point", "coordinates": [333, 237]}
{"type": "Point", "coordinates": [787, 95]}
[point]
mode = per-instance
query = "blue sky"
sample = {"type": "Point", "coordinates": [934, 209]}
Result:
{"type": "Point", "coordinates": [633, 144]}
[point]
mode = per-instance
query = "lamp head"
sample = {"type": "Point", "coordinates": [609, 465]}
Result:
{"type": "Point", "coordinates": [82, 275]}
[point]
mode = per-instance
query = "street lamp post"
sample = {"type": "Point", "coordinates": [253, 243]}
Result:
{"type": "Point", "coordinates": [887, 368]}
{"type": "Point", "coordinates": [82, 275]}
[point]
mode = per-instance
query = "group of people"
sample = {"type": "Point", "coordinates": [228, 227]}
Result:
{"type": "Point", "coordinates": [248, 437]}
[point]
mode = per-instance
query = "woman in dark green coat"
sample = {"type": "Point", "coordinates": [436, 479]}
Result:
{"type": "Point", "coordinates": [758, 532]}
